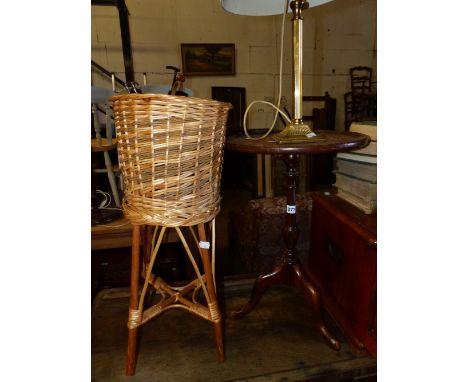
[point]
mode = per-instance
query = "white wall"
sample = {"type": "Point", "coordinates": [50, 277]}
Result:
{"type": "Point", "coordinates": [337, 36]}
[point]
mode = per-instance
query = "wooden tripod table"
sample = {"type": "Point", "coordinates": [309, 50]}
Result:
{"type": "Point", "coordinates": [291, 271]}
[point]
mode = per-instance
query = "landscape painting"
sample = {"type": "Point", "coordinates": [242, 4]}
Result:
{"type": "Point", "coordinates": [208, 59]}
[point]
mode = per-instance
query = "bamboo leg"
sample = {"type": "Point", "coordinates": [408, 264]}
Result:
{"type": "Point", "coordinates": [213, 301]}
{"type": "Point", "coordinates": [132, 333]}
{"type": "Point", "coordinates": [148, 234]}
{"type": "Point", "coordinates": [147, 246]}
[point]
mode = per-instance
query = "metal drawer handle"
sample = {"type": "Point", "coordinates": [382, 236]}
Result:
{"type": "Point", "coordinates": [334, 251]}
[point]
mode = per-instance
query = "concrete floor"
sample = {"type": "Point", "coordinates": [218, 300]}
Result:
{"type": "Point", "coordinates": [275, 342]}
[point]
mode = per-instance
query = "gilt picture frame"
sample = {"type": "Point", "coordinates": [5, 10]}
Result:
{"type": "Point", "coordinates": [208, 59]}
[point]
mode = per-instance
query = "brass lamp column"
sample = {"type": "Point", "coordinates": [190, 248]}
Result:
{"type": "Point", "coordinates": [297, 130]}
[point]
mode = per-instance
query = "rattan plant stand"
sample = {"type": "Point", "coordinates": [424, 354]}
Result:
{"type": "Point", "coordinates": [170, 154]}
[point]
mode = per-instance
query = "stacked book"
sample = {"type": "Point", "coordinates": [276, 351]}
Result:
{"type": "Point", "coordinates": [356, 171]}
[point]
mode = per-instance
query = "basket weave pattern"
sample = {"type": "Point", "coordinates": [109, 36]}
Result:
{"type": "Point", "coordinates": [170, 154]}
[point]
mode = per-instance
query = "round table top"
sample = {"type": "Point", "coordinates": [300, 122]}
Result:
{"type": "Point", "coordinates": [334, 141]}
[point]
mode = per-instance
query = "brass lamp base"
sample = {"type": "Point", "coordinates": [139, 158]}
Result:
{"type": "Point", "coordinates": [297, 133]}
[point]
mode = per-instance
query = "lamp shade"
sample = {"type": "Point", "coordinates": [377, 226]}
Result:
{"type": "Point", "coordinates": [261, 7]}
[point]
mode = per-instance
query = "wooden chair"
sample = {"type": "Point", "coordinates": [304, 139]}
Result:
{"type": "Point", "coordinates": [235, 165]}
{"type": "Point", "coordinates": [361, 101]}
{"type": "Point", "coordinates": [361, 80]}
{"type": "Point", "coordinates": [171, 151]}
{"type": "Point", "coordinates": [349, 109]}
{"type": "Point", "coordinates": [100, 109]}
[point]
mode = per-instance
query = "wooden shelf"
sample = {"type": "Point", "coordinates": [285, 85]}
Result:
{"type": "Point", "coordinates": [118, 234]}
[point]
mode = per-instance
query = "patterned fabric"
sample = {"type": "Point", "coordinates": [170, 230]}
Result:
{"type": "Point", "coordinates": [257, 232]}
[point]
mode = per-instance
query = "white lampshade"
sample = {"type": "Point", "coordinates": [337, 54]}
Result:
{"type": "Point", "coordinates": [261, 7]}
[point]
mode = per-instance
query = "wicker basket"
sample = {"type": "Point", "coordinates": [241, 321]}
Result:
{"type": "Point", "coordinates": [170, 154]}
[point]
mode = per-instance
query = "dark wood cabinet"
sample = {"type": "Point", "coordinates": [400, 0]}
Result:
{"type": "Point", "coordinates": [343, 264]}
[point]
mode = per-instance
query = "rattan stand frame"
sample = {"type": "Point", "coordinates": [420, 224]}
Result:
{"type": "Point", "coordinates": [170, 155]}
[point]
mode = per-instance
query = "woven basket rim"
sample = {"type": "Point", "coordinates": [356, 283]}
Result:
{"type": "Point", "coordinates": [178, 161]}
{"type": "Point", "coordinates": [170, 98]}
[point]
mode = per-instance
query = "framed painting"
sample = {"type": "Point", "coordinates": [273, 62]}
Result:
{"type": "Point", "coordinates": [208, 59]}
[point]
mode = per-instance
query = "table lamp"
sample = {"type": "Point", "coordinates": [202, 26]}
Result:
{"type": "Point", "coordinates": [296, 130]}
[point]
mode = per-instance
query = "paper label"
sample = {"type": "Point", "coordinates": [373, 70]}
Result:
{"type": "Point", "coordinates": [204, 244]}
{"type": "Point", "coordinates": [290, 209]}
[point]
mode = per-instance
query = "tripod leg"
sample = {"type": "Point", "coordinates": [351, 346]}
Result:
{"type": "Point", "coordinates": [262, 283]}
{"type": "Point", "coordinates": [302, 282]}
